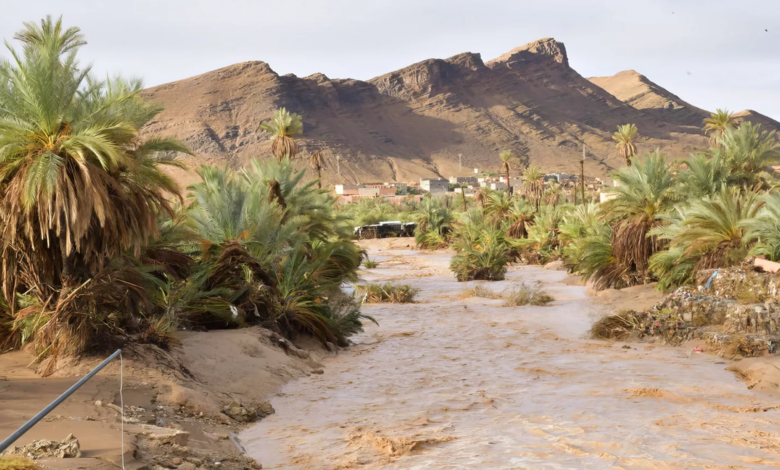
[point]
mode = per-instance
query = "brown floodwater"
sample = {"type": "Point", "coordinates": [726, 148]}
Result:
{"type": "Point", "coordinates": [454, 383]}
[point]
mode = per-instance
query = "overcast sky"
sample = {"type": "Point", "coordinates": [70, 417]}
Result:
{"type": "Point", "coordinates": [715, 53]}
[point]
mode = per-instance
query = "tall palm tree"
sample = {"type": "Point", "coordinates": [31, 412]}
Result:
{"type": "Point", "coordinates": [506, 158]}
{"type": "Point", "coordinates": [715, 125]}
{"type": "Point", "coordinates": [624, 138]}
{"type": "Point", "coordinates": [284, 126]}
{"type": "Point", "coordinates": [534, 179]}
{"type": "Point", "coordinates": [78, 185]}
{"type": "Point", "coordinates": [316, 162]}
{"type": "Point", "coordinates": [647, 190]}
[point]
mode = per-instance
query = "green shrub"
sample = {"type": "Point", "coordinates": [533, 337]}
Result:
{"type": "Point", "coordinates": [370, 264]}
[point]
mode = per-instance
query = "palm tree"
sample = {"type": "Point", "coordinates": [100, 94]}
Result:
{"type": "Point", "coordinates": [284, 126]}
{"type": "Point", "coordinates": [481, 196]}
{"type": "Point", "coordinates": [715, 125]}
{"type": "Point", "coordinates": [534, 178]}
{"type": "Point", "coordinates": [747, 152]}
{"type": "Point", "coordinates": [624, 137]}
{"type": "Point", "coordinates": [463, 188]}
{"type": "Point", "coordinates": [79, 186]}
{"type": "Point", "coordinates": [506, 158]}
{"type": "Point", "coordinates": [703, 176]}
{"type": "Point", "coordinates": [765, 228]}
{"type": "Point", "coordinates": [316, 162]}
{"type": "Point", "coordinates": [646, 190]}
{"type": "Point", "coordinates": [521, 215]}
{"type": "Point", "coordinates": [498, 205]}
{"type": "Point", "coordinates": [714, 228]}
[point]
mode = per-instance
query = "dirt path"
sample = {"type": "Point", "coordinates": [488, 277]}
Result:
{"type": "Point", "coordinates": [448, 383]}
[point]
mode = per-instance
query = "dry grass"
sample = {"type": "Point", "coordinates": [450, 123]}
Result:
{"type": "Point", "coordinates": [480, 291]}
{"type": "Point", "coordinates": [526, 294]}
{"type": "Point", "coordinates": [387, 293]}
{"type": "Point", "coordinates": [617, 326]}
{"type": "Point", "coordinates": [17, 463]}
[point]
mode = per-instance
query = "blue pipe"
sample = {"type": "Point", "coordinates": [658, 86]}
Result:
{"type": "Point", "coordinates": [19, 432]}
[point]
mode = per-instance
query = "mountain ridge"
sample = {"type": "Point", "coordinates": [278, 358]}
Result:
{"type": "Point", "coordinates": [414, 122]}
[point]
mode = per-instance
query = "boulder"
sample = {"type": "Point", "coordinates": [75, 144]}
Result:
{"type": "Point", "coordinates": [240, 413]}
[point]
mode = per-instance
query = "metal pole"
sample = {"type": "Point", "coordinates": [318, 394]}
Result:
{"type": "Point", "coordinates": [582, 174]}
{"type": "Point", "coordinates": [19, 432]}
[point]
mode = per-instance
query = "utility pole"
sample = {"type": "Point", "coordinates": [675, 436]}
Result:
{"type": "Point", "coordinates": [582, 173]}
{"type": "Point", "coordinates": [338, 167]}
{"type": "Point", "coordinates": [460, 162]}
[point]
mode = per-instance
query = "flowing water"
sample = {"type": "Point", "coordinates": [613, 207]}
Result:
{"type": "Point", "coordinates": [453, 383]}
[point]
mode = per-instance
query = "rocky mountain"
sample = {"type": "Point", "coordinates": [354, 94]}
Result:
{"type": "Point", "coordinates": [415, 122]}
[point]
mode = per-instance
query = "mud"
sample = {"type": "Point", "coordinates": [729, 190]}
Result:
{"type": "Point", "coordinates": [452, 383]}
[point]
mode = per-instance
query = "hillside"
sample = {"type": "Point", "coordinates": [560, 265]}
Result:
{"type": "Point", "coordinates": [414, 122]}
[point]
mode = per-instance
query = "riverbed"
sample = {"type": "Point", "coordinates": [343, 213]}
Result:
{"type": "Point", "coordinates": [466, 383]}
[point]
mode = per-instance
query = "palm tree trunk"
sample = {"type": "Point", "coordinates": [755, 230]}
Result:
{"type": "Point", "coordinates": [507, 182]}
{"type": "Point", "coordinates": [319, 176]}
{"type": "Point", "coordinates": [463, 196]}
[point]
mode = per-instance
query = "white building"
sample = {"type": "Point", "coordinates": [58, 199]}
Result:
{"type": "Point", "coordinates": [435, 185]}
{"type": "Point", "coordinates": [339, 188]}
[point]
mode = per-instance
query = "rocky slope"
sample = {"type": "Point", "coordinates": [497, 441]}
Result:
{"type": "Point", "coordinates": [414, 122]}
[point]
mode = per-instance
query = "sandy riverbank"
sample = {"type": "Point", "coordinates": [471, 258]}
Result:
{"type": "Point", "coordinates": [184, 389]}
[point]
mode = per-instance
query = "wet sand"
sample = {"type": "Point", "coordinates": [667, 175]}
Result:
{"type": "Point", "coordinates": [452, 383]}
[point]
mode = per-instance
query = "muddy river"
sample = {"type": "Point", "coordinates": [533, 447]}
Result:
{"type": "Point", "coordinates": [453, 383]}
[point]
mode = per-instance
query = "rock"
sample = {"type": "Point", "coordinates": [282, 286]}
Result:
{"type": "Point", "coordinates": [265, 409]}
{"type": "Point", "coordinates": [554, 265]}
{"type": "Point", "coordinates": [240, 413]}
{"type": "Point", "coordinates": [98, 403]}
{"type": "Point", "coordinates": [165, 435]}
{"type": "Point", "coordinates": [318, 371]}
{"type": "Point", "coordinates": [44, 448]}
{"type": "Point", "coordinates": [180, 450]}
{"type": "Point", "coordinates": [187, 466]}
{"type": "Point", "coordinates": [114, 407]}
{"type": "Point", "coordinates": [176, 461]}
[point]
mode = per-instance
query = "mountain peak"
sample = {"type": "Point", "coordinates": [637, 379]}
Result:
{"type": "Point", "coordinates": [541, 50]}
{"type": "Point", "coordinates": [637, 90]}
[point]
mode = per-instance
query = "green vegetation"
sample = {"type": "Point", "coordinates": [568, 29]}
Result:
{"type": "Point", "coordinates": [98, 245]}
{"type": "Point", "coordinates": [664, 222]}
{"type": "Point", "coordinates": [624, 141]}
{"type": "Point", "coordinates": [387, 293]}
{"type": "Point", "coordinates": [370, 264]}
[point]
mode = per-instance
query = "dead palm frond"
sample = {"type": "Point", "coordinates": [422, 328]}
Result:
{"type": "Point", "coordinates": [284, 127]}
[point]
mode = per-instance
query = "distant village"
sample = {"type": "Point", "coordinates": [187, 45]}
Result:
{"type": "Point", "coordinates": [455, 185]}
